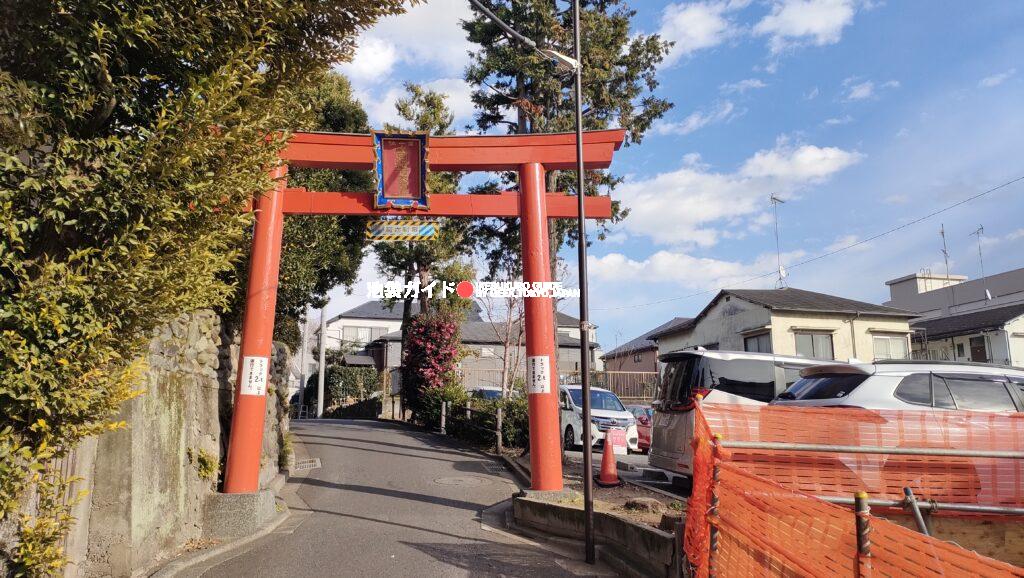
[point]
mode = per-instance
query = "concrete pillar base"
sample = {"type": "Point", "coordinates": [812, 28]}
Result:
{"type": "Point", "coordinates": [236, 515]}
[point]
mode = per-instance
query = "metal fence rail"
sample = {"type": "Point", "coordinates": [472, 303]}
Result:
{"type": "Point", "coordinates": [639, 385]}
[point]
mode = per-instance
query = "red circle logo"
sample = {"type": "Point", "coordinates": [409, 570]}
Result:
{"type": "Point", "coordinates": [464, 289]}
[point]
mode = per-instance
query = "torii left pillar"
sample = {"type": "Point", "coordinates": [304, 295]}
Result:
{"type": "Point", "coordinates": [245, 447]}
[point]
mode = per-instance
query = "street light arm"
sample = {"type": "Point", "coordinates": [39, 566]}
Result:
{"type": "Point", "coordinates": [508, 29]}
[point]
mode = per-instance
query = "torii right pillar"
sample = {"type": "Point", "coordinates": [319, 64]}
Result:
{"type": "Point", "coordinates": [541, 370]}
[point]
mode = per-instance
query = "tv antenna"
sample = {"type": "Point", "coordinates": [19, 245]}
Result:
{"type": "Point", "coordinates": [981, 260]}
{"type": "Point", "coordinates": [945, 257]}
{"type": "Point", "coordinates": [776, 201]}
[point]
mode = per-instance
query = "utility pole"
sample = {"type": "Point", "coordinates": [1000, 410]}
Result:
{"type": "Point", "coordinates": [323, 365]}
{"type": "Point", "coordinates": [303, 366]}
{"type": "Point", "coordinates": [781, 281]}
{"type": "Point", "coordinates": [981, 260]}
{"type": "Point", "coordinates": [581, 245]}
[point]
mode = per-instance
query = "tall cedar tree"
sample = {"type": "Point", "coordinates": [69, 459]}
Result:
{"type": "Point", "coordinates": [516, 88]}
{"type": "Point", "coordinates": [132, 134]}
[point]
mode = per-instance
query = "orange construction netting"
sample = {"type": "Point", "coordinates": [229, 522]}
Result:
{"type": "Point", "coordinates": [764, 527]}
{"type": "Point", "coordinates": [986, 481]}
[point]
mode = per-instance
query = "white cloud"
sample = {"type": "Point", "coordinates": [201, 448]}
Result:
{"type": "Point", "coordinates": [696, 26]}
{"type": "Point", "coordinates": [692, 204]}
{"type": "Point", "coordinates": [996, 79]}
{"type": "Point", "coordinates": [380, 103]}
{"type": "Point", "coordinates": [793, 23]}
{"type": "Point", "coordinates": [697, 120]}
{"type": "Point", "coordinates": [867, 89]}
{"type": "Point", "coordinates": [805, 164]}
{"type": "Point", "coordinates": [897, 199]}
{"type": "Point", "coordinates": [742, 86]}
{"type": "Point", "coordinates": [373, 61]}
{"type": "Point", "coordinates": [813, 94]}
{"type": "Point", "coordinates": [861, 91]}
{"type": "Point", "coordinates": [428, 34]}
{"type": "Point", "coordinates": [846, 241]}
{"type": "Point", "coordinates": [835, 121]}
{"type": "Point", "coordinates": [1019, 233]}
{"type": "Point", "coordinates": [615, 238]}
{"type": "Point", "coordinates": [684, 270]}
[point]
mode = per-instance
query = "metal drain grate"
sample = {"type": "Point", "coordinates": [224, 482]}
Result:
{"type": "Point", "coordinates": [304, 465]}
{"type": "Point", "coordinates": [494, 468]}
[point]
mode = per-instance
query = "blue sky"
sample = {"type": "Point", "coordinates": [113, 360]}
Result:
{"type": "Point", "coordinates": [862, 116]}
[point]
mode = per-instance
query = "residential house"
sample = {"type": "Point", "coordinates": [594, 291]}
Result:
{"type": "Point", "coordinates": [939, 295]}
{"type": "Point", "coordinates": [566, 324]}
{"type": "Point", "coordinates": [987, 336]}
{"type": "Point", "coordinates": [964, 320]}
{"type": "Point", "coordinates": [361, 325]}
{"type": "Point", "coordinates": [485, 342]}
{"type": "Point", "coordinates": [792, 321]}
{"type": "Point", "coordinates": [640, 354]}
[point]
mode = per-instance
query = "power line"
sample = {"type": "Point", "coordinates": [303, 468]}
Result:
{"type": "Point", "coordinates": [829, 253]}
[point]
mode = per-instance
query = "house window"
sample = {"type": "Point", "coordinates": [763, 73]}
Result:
{"type": "Point", "coordinates": [960, 350]}
{"type": "Point", "coordinates": [814, 345]}
{"type": "Point", "coordinates": [890, 346]}
{"type": "Point", "coordinates": [486, 352]}
{"type": "Point", "coordinates": [758, 343]}
{"type": "Point", "coordinates": [638, 357]}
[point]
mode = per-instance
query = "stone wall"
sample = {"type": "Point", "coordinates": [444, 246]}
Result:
{"type": "Point", "coordinates": [149, 483]}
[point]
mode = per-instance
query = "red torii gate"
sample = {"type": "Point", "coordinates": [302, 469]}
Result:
{"type": "Point", "coordinates": [529, 155]}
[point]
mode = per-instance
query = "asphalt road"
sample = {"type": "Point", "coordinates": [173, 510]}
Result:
{"type": "Point", "coordinates": [392, 501]}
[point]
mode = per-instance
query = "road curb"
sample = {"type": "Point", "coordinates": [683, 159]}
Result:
{"type": "Point", "coordinates": [183, 563]}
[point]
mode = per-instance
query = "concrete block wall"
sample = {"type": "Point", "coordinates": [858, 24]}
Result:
{"type": "Point", "coordinates": [147, 495]}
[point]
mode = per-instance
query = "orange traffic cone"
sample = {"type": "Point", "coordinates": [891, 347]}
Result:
{"type": "Point", "coordinates": [609, 477]}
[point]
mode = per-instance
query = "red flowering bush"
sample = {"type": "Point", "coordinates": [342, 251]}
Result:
{"type": "Point", "coordinates": [432, 350]}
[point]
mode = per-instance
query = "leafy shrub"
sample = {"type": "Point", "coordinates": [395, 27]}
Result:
{"type": "Point", "coordinates": [342, 382]}
{"type": "Point", "coordinates": [432, 350]}
{"type": "Point", "coordinates": [132, 134]}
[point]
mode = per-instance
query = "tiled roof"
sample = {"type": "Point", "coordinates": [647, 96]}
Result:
{"type": "Point", "coordinates": [791, 299]}
{"type": "Point", "coordinates": [377, 310]}
{"type": "Point", "coordinates": [644, 341]}
{"type": "Point", "coordinates": [966, 323]}
{"type": "Point", "coordinates": [484, 333]}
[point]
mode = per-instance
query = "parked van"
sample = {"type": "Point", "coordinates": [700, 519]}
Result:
{"type": "Point", "coordinates": [754, 376]}
{"type": "Point", "coordinates": [606, 411]}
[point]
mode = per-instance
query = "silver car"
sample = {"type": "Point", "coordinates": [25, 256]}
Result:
{"type": "Point", "coordinates": [906, 384]}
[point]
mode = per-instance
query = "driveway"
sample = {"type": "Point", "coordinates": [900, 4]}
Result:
{"type": "Point", "coordinates": [392, 501]}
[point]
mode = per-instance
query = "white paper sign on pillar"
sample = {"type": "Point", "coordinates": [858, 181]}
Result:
{"type": "Point", "coordinates": [538, 374]}
{"type": "Point", "coordinates": [254, 375]}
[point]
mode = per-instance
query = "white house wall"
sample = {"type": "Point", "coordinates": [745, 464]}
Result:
{"type": "Point", "coordinates": [722, 325]}
{"type": "Point", "coordinates": [1015, 333]}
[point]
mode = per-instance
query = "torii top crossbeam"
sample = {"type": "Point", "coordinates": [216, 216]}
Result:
{"type": "Point", "coordinates": [457, 154]}
{"type": "Point", "coordinates": [528, 155]}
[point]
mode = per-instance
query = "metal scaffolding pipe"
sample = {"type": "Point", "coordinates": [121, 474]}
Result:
{"type": "Point", "coordinates": [872, 450]}
{"type": "Point", "coordinates": [929, 505]}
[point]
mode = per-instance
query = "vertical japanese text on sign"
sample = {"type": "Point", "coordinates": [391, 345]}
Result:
{"type": "Point", "coordinates": [401, 170]}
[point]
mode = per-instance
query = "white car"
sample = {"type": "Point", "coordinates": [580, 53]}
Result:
{"type": "Point", "coordinates": [907, 384]}
{"type": "Point", "coordinates": [606, 411]}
